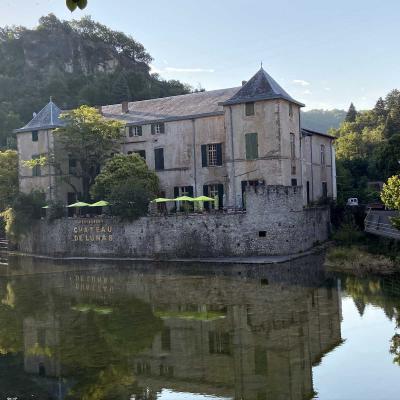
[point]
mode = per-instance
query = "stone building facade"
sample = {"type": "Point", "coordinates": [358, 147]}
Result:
{"type": "Point", "coordinates": [215, 143]}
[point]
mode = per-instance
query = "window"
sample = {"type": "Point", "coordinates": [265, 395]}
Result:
{"type": "Point", "coordinates": [308, 192]}
{"type": "Point", "coordinates": [157, 128]}
{"type": "Point", "coordinates": [72, 164]}
{"type": "Point", "coordinates": [294, 182]}
{"type": "Point", "coordinates": [159, 159]}
{"type": "Point", "coordinates": [324, 190]}
{"type": "Point", "coordinates": [211, 155]}
{"type": "Point", "coordinates": [292, 146]}
{"type": "Point", "coordinates": [184, 191]}
{"type": "Point", "coordinates": [249, 109]}
{"type": "Point", "coordinates": [322, 154]}
{"type": "Point", "coordinates": [36, 170]}
{"type": "Point", "coordinates": [251, 146]}
{"type": "Point", "coordinates": [41, 337]}
{"type": "Point", "coordinates": [213, 191]}
{"type": "Point", "coordinates": [35, 136]}
{"type": "Point", "coordinates": [290, 110]}
{"type": "Point", "coordinates": [219, 343]}
{"type": "Point", "coordinates": [135, 131]}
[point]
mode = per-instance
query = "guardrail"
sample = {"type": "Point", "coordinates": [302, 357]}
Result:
{"type": "Point", "coordinates": [378, 223]}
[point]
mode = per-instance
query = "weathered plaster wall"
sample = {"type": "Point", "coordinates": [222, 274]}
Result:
{"type": "Point", "coordinates": [275, 211]}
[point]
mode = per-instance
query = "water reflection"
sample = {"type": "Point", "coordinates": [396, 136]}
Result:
{"type": "Point", "coordinates": [96, 331]}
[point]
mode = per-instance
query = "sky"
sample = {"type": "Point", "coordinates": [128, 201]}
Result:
{"type": "Point", "coordinates": [324, 54]}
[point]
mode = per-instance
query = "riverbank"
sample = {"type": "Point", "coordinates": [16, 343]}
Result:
{"type": "Point", "coordinates": [358, 260]}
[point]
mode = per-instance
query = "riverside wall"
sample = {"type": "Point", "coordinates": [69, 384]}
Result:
{"type": "Point", "coordinates": [275, 223]}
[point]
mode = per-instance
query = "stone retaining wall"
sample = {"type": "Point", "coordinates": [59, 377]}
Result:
{"type": "Point", "coordinates": [275, 224]}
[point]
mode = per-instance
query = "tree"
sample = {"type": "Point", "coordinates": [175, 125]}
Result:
{"type": "Point", "coordinates": [391, 193]}
{"type": "Point", "coordinates": [128, 184]}
{"type": "Point", "coordinates": [89, 139]}
{"type": "Point", "coordinates": [380, 108]}
{"type": "Point", "coordinates": [8, 178]}
{"type": "Point", "coordinates": [351, 114]}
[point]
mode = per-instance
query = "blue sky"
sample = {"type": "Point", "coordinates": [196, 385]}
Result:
{"type": "Point", "coordinates": [325, 54]}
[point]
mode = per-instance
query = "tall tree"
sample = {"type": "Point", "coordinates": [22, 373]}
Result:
{"type": "Point", "coordinates": [351, 114]}
{"type": "Point", "coordinates": [89, 139]}
{"type": "Point", "coordinates": [380, 108]}
{"type": "Point", "coordinates": [128, 184]}
{"type": "Point", "coordinates": [8, 178]}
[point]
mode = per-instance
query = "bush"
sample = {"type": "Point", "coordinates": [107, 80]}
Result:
{"type": "Point", "coordinates": [25, 209]}
{"type": "Point", "coordinates": [56, 210]}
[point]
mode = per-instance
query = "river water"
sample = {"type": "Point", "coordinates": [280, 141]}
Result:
{"type": "Point", "coordinates": [164, 331]}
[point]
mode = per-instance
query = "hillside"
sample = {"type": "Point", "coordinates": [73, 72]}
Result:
{"type": "Point", "coordinates": [76, 62]}
{"type": "Point", "coordinates": [322, 120]}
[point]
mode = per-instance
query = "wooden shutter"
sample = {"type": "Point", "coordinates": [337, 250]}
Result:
{"type": "Point", "coordinates": [162, 128]}
{"type": "Point", "coordinates": [219, 153]}
{"type": "Point", "coordinates": [159, 159]}
{"type": "Point", "coordinates": [204, 155]}
{"type": "Point", "coordinates": [205, 193]}
{"type": "Point", "coordinates": [220, 195]}
{"type": "Point", "coordinates": [251, 146]}
{"type": "Point", "coordinates": [153, 129]}
{"type": "Point", "coordinates": [176, 192]}
{"type": "Point", "coordinates": [139, 129]}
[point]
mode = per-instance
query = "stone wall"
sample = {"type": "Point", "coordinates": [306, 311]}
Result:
{"type": "Point", "coordinates": [275, 224]}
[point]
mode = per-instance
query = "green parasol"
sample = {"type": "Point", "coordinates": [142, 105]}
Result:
{"type": "Point", "coordinates": [161, 200]}
{"type": "Point", "coordinates": [184, 198]}
{"type": "Point", "coordinates": [203, 198]}
{"type": "Point", "coordinates": [79, 204]}
{"type": "Point", "coordinates": [101, 203]}
{"type": "Point", "coordinates": [46, 207]}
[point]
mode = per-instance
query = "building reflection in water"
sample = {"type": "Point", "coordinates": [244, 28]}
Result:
{"type": "Point", "coordinates": [232, 332]}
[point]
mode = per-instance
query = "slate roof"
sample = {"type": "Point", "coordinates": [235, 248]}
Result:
{"type": "Point", "coordinates": [308, 132]}
{"type": "Point", "coordinates": [47, 118]}
{"type": "Point", "coordinates": [172, 108]}
{"type": "Point", "coordinates": [260, 87]}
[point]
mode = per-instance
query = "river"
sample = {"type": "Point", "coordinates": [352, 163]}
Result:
{"type": "Point", "coordinates": [165, 331]}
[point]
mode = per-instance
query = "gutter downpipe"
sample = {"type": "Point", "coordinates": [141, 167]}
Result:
{"type": "Point", "coordinates": [233, 158]}
{"type": "Point", "coordinates": [301, 152]}
{"type": "Point", "coordinates": [312, 170]}
{"type": "Point", "coordinates": [194, 157]}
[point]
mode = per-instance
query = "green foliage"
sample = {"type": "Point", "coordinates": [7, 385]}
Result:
{"type": "Point", "coordinates": [128, 184]}
{"type": "Point", "coordinates": [88, 138]}
{"type": "Point", "coordinates": [25, 209]}
{"type": "Point", "coordinates": [8, 178]}
{"type": "Point", "coordinates": [73, 71]}
{"type": "Point", "coordinates": [351, 114]}
{"type": "Point", "coordinates": [391, 193]}
{"type": "Point", "coordinates": [56, 210]}
{"type": "Point", "coordinates": [322, 120]}
{"type": "Point", "coordinates": [368, 147]}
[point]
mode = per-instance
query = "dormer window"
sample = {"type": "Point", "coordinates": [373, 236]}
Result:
{"type": "Point", "coordinates": [135, 131]}
{"type": "Point", "coordinates": [35, 136]}
{"type": "Point", "coordinates": [156, 129]}
{"type": "Point", "coordinates": [249, 109]}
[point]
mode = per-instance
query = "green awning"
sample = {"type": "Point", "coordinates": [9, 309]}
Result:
{"type": "Point", "coordinates": [161, 200]}
{"type": "Point", "coordinates": [79, 204]}
{"type": "Point", "coordinates": [184, 198]}
{"type": "Point", "coordinates": [203, 198]}
{"type": "Point", "coordinates": [101, 203]}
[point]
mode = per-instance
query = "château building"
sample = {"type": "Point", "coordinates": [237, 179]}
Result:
{"type": "Point", "coordinates": [214, 143]}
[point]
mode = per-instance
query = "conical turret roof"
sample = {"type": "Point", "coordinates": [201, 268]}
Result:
{"type": "Point", "coordinates": [260, 87]}
{"type": "Point", "coordinates": [47, 118]}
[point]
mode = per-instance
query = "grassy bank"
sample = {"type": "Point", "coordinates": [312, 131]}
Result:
{"type": "Point", "coordinates": [358, 253]}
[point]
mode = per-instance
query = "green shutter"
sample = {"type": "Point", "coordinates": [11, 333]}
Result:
{"type": "Point", "coordinates": [219, 154]}
{"type": "Point", "coordinates": [204, 155]}
{"type": "Point", "coordinates": [251, 146]}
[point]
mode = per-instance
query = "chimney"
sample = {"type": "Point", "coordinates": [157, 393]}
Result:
{"type": "Point", "coordinates": [99, 109]}
{"type": "Point", "coordinates": [243, 83]}
{"type": "Point", "coordinates": [125, 107]}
